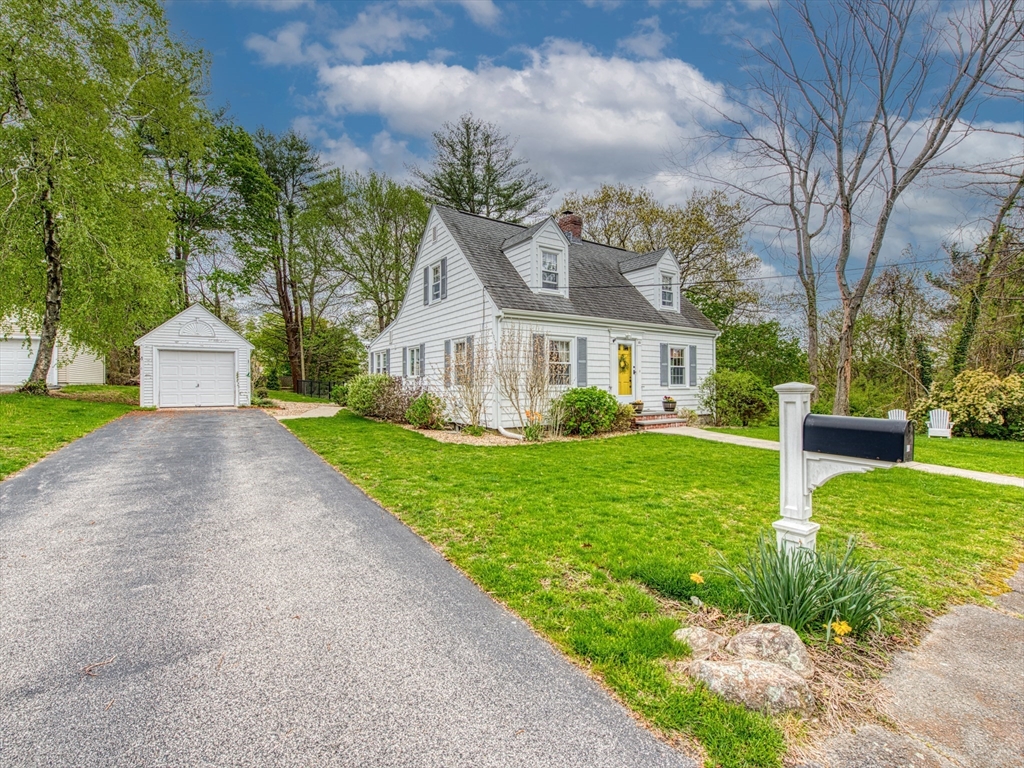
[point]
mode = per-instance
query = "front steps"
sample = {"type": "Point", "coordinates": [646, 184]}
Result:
{"type": "Point", "coordinates": [647, 421]}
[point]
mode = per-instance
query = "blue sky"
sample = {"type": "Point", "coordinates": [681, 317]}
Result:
{"type": "Point", "coordinates": [595, 90]}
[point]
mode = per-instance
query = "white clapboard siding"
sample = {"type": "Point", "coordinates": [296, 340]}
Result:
{"type": "Point", "coordinates": [84, 368]}
{"type": "Point", "coordinates": [466, 310]}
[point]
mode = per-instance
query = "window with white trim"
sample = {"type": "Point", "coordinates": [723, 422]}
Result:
{"type": "Point", "coordinates": [435, 282]}
{"type": "Point", "coordinates": [668, 292]}
{"type": "Point", "coordinates": [559, 362]}
{"type": "Point", "coordinates": [549, 270]}
{"type": "Point", "coordinates": [677, 366]}
{"type": "Point", "coordinates": [380, 362]}
{"type": "Point", "coordinates": [415, 363]}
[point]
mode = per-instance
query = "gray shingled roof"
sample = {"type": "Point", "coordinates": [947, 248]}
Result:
{"type": "Point", "coordinates": [597, 287]}
{"type": "Point", "coordinates": [643, 261]}
{"type": "Point", "coordinates": [523, 235]}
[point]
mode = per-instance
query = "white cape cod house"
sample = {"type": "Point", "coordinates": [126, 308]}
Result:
{"type": "Point", "coordinates": [608, 318]}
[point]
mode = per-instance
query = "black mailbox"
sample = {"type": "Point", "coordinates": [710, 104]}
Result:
{"type": "Point", "coordinates": [879, 439]}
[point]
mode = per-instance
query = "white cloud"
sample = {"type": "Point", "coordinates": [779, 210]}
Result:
{"type": "Point", "coordinates": [647, 41]}
{"type": "Point", "coordinates": [284, 48]}
{"type": "Point", "coordinates": [605, 5]}
{"type": "Point", "coordinates": [482, 12]}
{"type": "Point", "coordinates": [376, 30]}
{"type": "Point", "coordinates": [582, 119]}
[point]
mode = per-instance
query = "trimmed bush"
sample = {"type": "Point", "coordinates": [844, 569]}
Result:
{"type": "Point", "coordinates": [980, 404]}
{"type": "Point", "coordinates": [802, 589]}
{"type": "Point", "coordinates": [339, 394]}
{"type": "Point", "coordinates": [736, 398]}
{"type": "Point", "coordinates": [426, 412]}
{"type": "Point", "coordinates": [623, 420]}
{"type": "Point", "coordinates": [586, 411]}
{"type": "Point", "coordinates": [364, 392]}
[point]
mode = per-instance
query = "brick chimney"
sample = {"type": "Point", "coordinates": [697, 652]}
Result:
{"type": "Point", "coordinates": [572, 224]}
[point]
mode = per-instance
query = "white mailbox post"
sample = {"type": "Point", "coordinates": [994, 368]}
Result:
{"type": "Point", "coordinates": [800, 471]}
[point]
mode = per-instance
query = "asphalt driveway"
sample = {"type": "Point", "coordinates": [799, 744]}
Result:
{"type": "Point", "coordinates": [197, 588]}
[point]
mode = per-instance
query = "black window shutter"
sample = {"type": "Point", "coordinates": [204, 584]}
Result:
{"type": "Point", "coordinates": [693, 366]}
{"type": "Point", "coordinates": [664, 365]}
{"type": "Point", "coordinates": [423, 359]}
{"type": "Point", "coordinates": [444, 278]}
{"type": "Point", "coordinates": [469, 357]}
{"type": "Point", "coordinates": [405, 362]}
{"type": "Point", "coordinates": [581, 361]}
{"type": "Point", "coordinates": [387, 361]}
{"type": "Point", "coordinates": [426, 285]}
{"type": "Point", "coordinates": [447, 363]}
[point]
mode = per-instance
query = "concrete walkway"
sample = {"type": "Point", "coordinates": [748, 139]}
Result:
{"type": "Point", "coordinates": [957, 699]}
{"type": "Point", "coordinates": [313, 413]}
{"type": "Point", "coordinates": [771, 445]}
{"type": "Point", "coordinates": [199, 589]}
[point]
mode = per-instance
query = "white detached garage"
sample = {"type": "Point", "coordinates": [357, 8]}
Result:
{"type": "Point", "coordinates": [193, 360]}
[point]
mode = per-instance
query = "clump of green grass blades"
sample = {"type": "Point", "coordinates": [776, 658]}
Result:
{"type": "Point", "coordinates": [800, 587]}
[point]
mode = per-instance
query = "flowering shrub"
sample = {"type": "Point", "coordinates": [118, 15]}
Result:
{"type": "Point", "coordinates": [533, 430]}
{"type": "Point", "coordinates": [586, 411]}
{"type": "Point", "coordinates": [980, 405]}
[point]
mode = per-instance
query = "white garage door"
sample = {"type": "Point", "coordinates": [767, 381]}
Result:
{"type": "Point", "coordinates": [16, 362]}
{"type": "Point", "coordinates": [196, 378]}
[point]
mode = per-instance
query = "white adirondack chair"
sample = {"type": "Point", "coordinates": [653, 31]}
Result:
{"type": "Point", "coordinates": [898, 414]}
{"type": "Point", "coordinates": [939, 424]}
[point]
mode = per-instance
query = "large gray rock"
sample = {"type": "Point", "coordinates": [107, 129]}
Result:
{"type": "Point", "coordinates": [776, 643]}
{"type": "Point", "coordinates": [702, 642]}
{"type": "Point", "coordinates": [758, 685]}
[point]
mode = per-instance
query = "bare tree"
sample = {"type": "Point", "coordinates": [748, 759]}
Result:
{"type": "Point", "coordinates": [522, 372]}
{"type": "Point", "coordinates": [468, 378]}
{"type": "Point", "coordinates": [889, 87]}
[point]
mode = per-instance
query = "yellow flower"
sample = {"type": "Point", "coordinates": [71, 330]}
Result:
{"type": "Point", "coordinates": [839, 640]}
{"type": "Point", "coordinates": [841, 628]}
{"type": "Point", "coordinates": [696, 578]}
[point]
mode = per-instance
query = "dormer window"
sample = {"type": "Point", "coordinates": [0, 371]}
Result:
{"type": "Point", "coordinates": [668, 292]}
{"type": "Point", "coordinates": [549, 270]}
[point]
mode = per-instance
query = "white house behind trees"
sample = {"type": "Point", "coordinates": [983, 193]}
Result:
{"type": "Point", "coordinates": [594, 315]}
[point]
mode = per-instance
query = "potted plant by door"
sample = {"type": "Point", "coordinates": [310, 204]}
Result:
{"type": "Point", "coordinates": [669, 404]}
{"type": "Point", "coordinates": [638, 407]}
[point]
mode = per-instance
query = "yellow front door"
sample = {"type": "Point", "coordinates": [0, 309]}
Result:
{"type": "Point", "coordinates": [625, 369]}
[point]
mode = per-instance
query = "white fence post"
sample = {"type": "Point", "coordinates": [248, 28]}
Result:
{"type": "Point", "coordinates": [795, 528]}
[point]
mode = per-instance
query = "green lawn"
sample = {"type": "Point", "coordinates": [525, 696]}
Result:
{"type": "Point", "coordinates": [288, 396]}
{"type": "Point", "coordinates": [570, 536]}
{"type": "Point", "coordinates": [100, 393]}
{"type": "Point", "coordinates": [1005, 457]}
{"type": "Point", "coordinates": [32, 426]}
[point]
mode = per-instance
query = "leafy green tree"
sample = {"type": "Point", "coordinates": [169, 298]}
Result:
{"type": "Point", "coordinates": [378, 224]}
{"type": "Point", "coordinates": [475, 170]}
{"type": "Point", "coordinates": [764, 350]}
{"type": "Point", "coordinates": [180, 135]}
{"type": "Point", "coordinates": [707, 235]}
{"type": "Point", "coordinates": [84, 227]}
{"type": "Point", "coordinates": [269, 177]}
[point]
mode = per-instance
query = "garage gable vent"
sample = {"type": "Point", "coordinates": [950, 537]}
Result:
{"type": "Point", "coordinates": [197, 328]}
